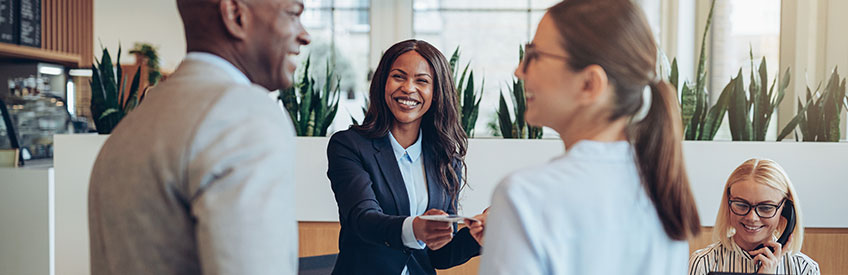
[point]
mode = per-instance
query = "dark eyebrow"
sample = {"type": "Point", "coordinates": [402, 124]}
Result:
{"type": "Point", "coordinates": [424, 74]}
{"type": "Point", "coordinates": [396, 69]}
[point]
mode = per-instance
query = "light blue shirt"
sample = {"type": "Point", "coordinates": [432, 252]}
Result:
{"type": "Point", "coordinates": [411, 164]}
{"type": "Point", "coordinates": [582, 213]}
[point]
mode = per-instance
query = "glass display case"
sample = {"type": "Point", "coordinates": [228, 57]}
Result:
{"type": "Point", "coordinates": [36, 114]}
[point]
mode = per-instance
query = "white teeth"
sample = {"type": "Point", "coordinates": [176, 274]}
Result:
{"type": "Point", "coordinates": [407, 102]}
{"type": "Point", "coordinates": [752, 228]}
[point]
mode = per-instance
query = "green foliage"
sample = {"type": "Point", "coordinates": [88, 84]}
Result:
{"type": "Point", "coordinates": [312, 107]}
{"type": "Point", "coordinates": [750, 111]}
{"type": "Point", "coordinates": [148, 51]}
{"type": "Point", "coordinates": [467, 96]}
{"type": "Point", "coordinates": [700, 120]}
{"type": "Point", "coordinates": [108, 88]}
{"type": "Point", "coordinates": [517, 128]}
{"type": "Point", "coordinates": [819, 118]}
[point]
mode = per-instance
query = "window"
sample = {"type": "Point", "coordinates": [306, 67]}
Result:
{"type": "Point", "coordinates": [488, 33]}
{"type": "Point", "coordinates": [340, 32]}
{"type": "Point", "coordinates": [739, 27]}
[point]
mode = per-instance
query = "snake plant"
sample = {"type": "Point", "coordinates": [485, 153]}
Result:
{"type": "Point", "coordinates": [467, 96]}
{"type": "Point", "coordinates": [819, 118]}
{"type": "Point", "coordinates": [312, 107]}
{"type": "Point", "coordinates": [750, 110]}
{"type": "Point", "coordinates": [519, 127]}
{"type": "Point", "coordinates": [700, 120]}
{"type": "Point", "coordinates": [108, 87]}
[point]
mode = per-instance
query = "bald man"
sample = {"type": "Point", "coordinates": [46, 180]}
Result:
{"type": "Point", "coordinates": [199, 178]}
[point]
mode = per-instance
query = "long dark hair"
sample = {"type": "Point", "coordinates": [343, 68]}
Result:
{"type": "Point", "coordinates": [615, 35]}
{"type": "Point", "coordinates": [442, 133]}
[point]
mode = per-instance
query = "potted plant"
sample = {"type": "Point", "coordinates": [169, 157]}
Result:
{"type": "Point", "coordinates": [819, 118]}
{"type": "Point", "coordinates": [108, 90]}
{"type": "Point", "coordinates": [518, 128]}
{"type": "Point", "coordinates": [312, 107]}
{"type": "Point", "coordinates": [467, 96]}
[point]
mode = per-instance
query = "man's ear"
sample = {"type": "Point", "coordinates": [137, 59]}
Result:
{"type": "Point", "coordinates": [235, 16]}
{"type": "Point", "coordinates": [595, 83]}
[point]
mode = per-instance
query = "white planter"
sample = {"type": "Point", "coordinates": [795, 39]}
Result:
{"type": "Point", "coordinates": [818, 170]}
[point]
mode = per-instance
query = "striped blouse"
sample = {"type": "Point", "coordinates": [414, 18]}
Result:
{"type": "Point", "coordinates": [716, 257]}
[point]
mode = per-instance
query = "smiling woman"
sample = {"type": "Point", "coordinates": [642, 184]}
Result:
{"type": "Point", "coordinates": [406, 157]}
{"type": "Point", "coordinates": [409, 92]}
{"type": "Point", "coordinates": [758, 202]}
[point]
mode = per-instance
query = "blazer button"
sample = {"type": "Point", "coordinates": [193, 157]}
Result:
{"type": "Point", "coordinates": [387, 243]}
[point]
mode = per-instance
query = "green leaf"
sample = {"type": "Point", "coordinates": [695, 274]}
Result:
{"type": "Point", "coordinates": [108, 112]}
{"type": "Point", "coordinates": [520, 107]}
{"type": "Point", "coordinates": [717, 112]}
{"type": "Point", "coordinates": [306, 93]}
{"type": "Point", "coordinates": [454, 58]}
{"type": "Point", "coordinates": [781, 92]}
{"type": "Point", "coordinates": [831, 107]}
{"type": "Point", "coordinates": [132, 101]}
{"type": "Point", "coordinates": [120, 74]}
{"type": "Point", "coordinates": [790, 126]}
{"type": "Point", "coordinates": [698, 117]}
{"type": "Point", "coordinates": [687, 105]}
{"type": "Point", "coordinates": [673, 78]}
{"type": "Point", "coordinates": [504, 120]}
{"type": "Point", "coordinates": [740, 124]}
{"type": "Point", "coordinates": [700, 82]}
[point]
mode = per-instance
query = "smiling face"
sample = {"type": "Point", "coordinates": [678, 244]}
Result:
{"type": "Point", "coordinates": [409, 89]}
{"type": "Point", "coordinates": [276, 37]}
{"type": "Point", "coordinates": [752, 230]}
{"type": "Point", "coordinates": [550, 85]}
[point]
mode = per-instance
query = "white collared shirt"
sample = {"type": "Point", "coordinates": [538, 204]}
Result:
{"type": "Point", "coordinates": [221, 63]}
{"type": "Point", "coordinates": [411, 163]}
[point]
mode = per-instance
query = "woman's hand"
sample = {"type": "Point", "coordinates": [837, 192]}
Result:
{"type": "Point", "coordinates": [435, 234]}
{"type": "Point", "coordinates": [768, 260]}
{"type": "Point", "coordinates": [477, 228]}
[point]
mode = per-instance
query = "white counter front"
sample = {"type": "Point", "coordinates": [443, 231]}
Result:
{"type": "Point", "coordinates": [818, 170]}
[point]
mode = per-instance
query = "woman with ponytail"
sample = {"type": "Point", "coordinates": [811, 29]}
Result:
{"type": "Point", "coordinates": [618, 201]}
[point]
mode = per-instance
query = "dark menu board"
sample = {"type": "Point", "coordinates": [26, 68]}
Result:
{"type": "Point", "coordinates": [30, 26]}
{"type": "Point", "coordinates": [7, 22]}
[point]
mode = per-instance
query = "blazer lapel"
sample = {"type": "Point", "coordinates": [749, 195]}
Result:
{"type": "Point", "coordinates": [435, 191]}
{"type": "Point", "coordinates": [391, 173]}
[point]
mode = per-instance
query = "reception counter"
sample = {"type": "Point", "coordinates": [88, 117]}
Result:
{"type": "Point", "coordinates": [818, 170]}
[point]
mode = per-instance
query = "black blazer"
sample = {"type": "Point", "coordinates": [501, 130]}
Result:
{"type": "Point", "coordinates": [373, 203]}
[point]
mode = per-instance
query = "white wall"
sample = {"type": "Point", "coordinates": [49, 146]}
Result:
{"type": "Point", "coordinates": [129, 21]}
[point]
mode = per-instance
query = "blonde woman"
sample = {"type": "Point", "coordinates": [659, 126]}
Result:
{"type": "Point", "coordinates": [749, 221]}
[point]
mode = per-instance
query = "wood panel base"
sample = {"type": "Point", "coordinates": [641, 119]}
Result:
{"type": "Point", "coordinates": [827, 246]}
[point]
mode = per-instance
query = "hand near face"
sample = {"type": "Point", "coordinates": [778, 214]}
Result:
{"type": "Point", "coordinates": [768, 260]}
{"type": "Point", "coordinates": [435, 234]}
{"type": "Point", "coordinates": [477, 228]}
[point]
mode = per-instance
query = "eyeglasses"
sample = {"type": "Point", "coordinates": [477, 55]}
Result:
{"type": "Point", "coordinates": [763, 210]}
{"type": "Point", "coordinates": [531, 53]}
